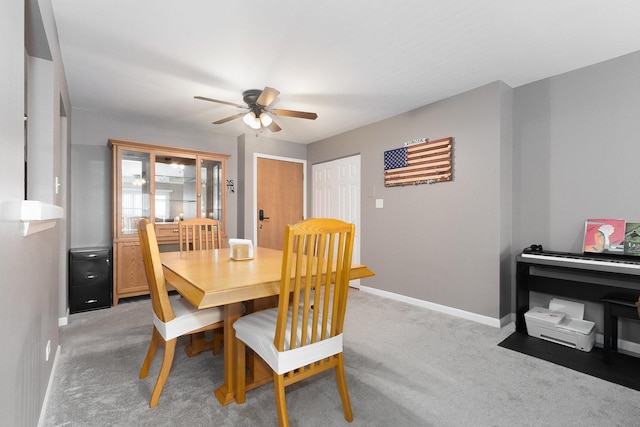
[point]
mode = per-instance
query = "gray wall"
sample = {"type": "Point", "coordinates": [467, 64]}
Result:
{"type": "Point", "coordinates": [447, 243]}
{"type": "Point", "coordinates": [576, 157]}
{"type": "Point", "coordinates": [577, 148]}
{"type": "Point", "coordinates": [91, 167]}
{"type": "Point", "coordinates": [32, 277]}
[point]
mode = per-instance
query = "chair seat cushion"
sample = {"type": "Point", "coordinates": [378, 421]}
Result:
{"type": "Point", "coordinates": [188, 318]}
{"type": "Point", "coordinates": [257, 330]}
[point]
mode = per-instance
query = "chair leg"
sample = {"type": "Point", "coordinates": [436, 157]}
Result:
{"type": "Point", "coordinates": [241, 374]}
{"type": "Point", "coordinates": [281, 403]}
{"type": "Point", "coordinates": [153, 346]}
{"type": "Point", "coordinates": [167, 361]}
{"type": "Point", "coordinates": [342, 389]}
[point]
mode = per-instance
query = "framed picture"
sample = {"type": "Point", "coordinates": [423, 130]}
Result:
{"type": "Point", "coordinates": [632, 239]}
{"type": "Point", "coordinates": [604, 235]}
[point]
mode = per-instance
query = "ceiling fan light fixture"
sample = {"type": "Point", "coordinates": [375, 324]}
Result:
{"type": "Point", "coordinates": [265, 119]}
{"type": "Point", "coordinates": [249, 118]}
{"type": "Point", "coordinates": [259, 114]}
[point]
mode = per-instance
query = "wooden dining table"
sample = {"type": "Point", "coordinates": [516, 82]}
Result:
{"type": "Point", "coordinates": [212, 279]}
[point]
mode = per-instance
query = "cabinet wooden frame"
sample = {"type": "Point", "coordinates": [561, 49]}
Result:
{"type": "Point", "coordinates": [128, 277]}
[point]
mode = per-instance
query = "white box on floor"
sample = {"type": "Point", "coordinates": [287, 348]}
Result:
{"type": "Point", "coordinates": [561, 323]}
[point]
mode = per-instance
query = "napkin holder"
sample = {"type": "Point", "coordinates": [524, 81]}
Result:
{"type": "Point", "coordinates": [240, 249]}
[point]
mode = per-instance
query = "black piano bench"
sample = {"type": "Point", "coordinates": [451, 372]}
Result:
{"type": "Point", "coordinates": [615, 306]}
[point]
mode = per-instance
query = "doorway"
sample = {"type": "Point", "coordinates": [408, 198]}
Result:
{"type": "Point", "coordinates": [280, 198]}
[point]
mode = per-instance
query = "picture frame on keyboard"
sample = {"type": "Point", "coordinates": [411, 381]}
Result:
{"type": "Point", "coordinates": [632, 239]}
{"type": "Point", "coordinates": [603, 235]}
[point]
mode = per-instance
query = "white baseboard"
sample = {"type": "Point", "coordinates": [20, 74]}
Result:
{"type": "Point", "coordinates": [629, 347]}
{"type": "Point", "coordinates": [63, 321]}
{"type": "Point", "coordinates": [45, 402]}
{"type": "Point", "coordinates": [485, 320]}
{"type": "Point", "coordinates": [625, 347]}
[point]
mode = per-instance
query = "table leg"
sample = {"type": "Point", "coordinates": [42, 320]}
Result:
{"type": "Point", "coordinates": [259, 372]}
{"type": "Point", "coordinates": [226, 392]}
{"type": "Point", "coordinates": [197, 344]}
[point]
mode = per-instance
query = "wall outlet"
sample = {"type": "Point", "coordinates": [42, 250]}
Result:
{"type": "Point", "coordinates": [379, 203]}
{"type": "Point", "coordinates": [47, 351]}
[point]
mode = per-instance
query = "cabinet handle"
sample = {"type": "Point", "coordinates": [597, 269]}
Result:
{"type": "Point", "coordinates": [91, 276]}
{"type": "Point", "coordinates": [91, 301]}
{"type": "Point", "coordinates": [92, 255]}
{"type": "Point", "coordinates": [175, 230]}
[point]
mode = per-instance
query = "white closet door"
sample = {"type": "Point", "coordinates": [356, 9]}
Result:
{"type": "Point", "coordinates": [336, 194]}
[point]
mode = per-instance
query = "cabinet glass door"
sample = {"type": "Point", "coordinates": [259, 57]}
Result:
{"type": "Point", "coordinates": [211, 189]}
{"type": "Point", "coordinates": [135, 190]}
{"type": "Point", "coordinates": [175, 189]}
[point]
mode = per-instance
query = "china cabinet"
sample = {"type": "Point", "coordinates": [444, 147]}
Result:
{"type": "Point", "coordinates": [164, 185]}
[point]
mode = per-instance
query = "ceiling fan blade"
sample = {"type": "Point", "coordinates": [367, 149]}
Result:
{"type": "Point", "coordinates": [292, 113]}
{"type": "Point", "coordinates": [228, 119]}
{"type": "Point", "coordinates": [220, 102]}
{"type": "Point", "coordinates": [273, 127]}
{"type": "Point", "coordinates": [267, 96]}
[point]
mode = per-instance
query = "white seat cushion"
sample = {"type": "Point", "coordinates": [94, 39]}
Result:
{"type": "Point", "coordinates": [257, 330]}
{"type": "Point", "coordinates": [188, 318]}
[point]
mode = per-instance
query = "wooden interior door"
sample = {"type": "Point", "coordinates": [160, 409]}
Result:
{"type": "Point", "coordinates": [280, 186]}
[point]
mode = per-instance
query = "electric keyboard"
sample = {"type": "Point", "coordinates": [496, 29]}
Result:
{"type": "Point", "coordinates": [587, 277]}
{"type": "Point", "coordinates": [594, 262]}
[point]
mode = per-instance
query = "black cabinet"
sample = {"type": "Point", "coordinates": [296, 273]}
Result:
{"type": "Point", "coordinates": [89, 279]}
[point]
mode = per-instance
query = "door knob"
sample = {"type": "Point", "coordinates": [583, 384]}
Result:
{"type": "Point", "coordinates": [261, 215]}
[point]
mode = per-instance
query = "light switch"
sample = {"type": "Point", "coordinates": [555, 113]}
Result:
{"type": "Point", "coordinates": [379, 203]}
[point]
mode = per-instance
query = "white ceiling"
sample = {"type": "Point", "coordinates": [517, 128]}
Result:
{"type": "Point", "coordinates": [352, 62]}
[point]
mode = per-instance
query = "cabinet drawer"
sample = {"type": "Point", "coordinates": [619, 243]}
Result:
{"type": "Point", "coordinates": [83, 298]}
{"type": "Point", "coordinates": [90, 272]}
{"type": "Point", "coordinates": [167, 232]}
{"type": "Point", "coordinates": [88, 255]}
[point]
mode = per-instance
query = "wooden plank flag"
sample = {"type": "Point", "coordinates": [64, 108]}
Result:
{"type": "Point", "coordinates": [420, 163]}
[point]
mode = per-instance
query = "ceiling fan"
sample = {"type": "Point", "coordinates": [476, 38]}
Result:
{"type": "Point", "coordinates": [259, 115]}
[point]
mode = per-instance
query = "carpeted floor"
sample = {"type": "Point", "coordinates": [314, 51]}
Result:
{"type": "Point", "coordinates": [405, 366]}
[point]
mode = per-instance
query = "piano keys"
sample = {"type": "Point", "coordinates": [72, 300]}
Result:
{"type": "Point", "coordinates": [613, 263]}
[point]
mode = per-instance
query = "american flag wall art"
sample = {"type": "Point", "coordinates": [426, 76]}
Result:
{"type": "Point", "coordinates": [419, 162]}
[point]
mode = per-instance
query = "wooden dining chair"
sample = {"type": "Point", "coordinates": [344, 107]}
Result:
{"type": "Point", "coordinates": [199, 234]}
{"type": "Point", "coordinates": [171, 319]}
{"type": "Point", "coordinates": [303, 335]}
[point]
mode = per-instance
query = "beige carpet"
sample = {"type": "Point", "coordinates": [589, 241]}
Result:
{"type": "Point", "coordinates": [405, 366]}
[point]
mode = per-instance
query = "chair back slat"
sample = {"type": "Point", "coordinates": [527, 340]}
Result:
{"type": "Point", "coordinates": [153, 269]}
{"type": "Point", "coordinates": [315, 279]}
{"type": "Point", "coordinates": [199, 234]}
